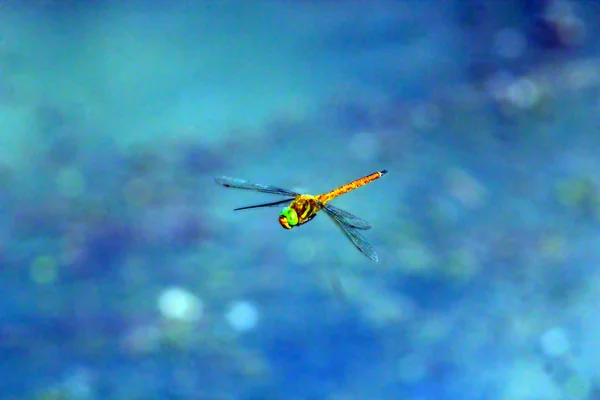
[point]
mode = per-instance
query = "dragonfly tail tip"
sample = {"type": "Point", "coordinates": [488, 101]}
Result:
{"type": "Point", "coordinates": [383, 172]}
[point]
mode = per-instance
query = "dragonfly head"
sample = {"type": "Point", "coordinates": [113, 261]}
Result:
{"type": "Point", "coordinates": [288, 218]}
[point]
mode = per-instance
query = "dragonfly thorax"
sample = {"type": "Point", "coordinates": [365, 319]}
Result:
{"type": "Point", "coordinates": [301, 210]}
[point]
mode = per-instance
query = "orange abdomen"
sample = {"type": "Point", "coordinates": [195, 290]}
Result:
{"type": "Point", "coordinates": [324, 198]}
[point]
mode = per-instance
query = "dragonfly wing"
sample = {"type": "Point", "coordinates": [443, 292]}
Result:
{"type": "Point", "coordinates": [243, 184]}
{"type": "Point", "coordinates": [346, 217]}
{"type": "Point", "coordinates": [359, 241]}
{"type": "Point", "coordinates": [277, 203]}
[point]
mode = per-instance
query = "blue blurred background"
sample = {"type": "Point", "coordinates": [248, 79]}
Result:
{"type": "Point", "coordinates": [125, 273]}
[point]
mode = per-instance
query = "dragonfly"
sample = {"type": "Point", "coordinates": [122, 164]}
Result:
{"type": "Point", "coordinates": [302, 208]}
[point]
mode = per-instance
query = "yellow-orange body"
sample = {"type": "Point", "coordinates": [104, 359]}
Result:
{"type": "Point", "coordinates": [307, 206]}
{"type": "Point", "coordinates": [301, 208]}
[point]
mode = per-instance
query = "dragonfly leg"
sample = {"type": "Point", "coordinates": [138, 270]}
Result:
{"type": "Point", "coordinates": [311, 217]}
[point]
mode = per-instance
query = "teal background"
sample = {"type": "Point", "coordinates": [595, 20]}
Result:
{"type": "Point", "coordinates": [125, 273]}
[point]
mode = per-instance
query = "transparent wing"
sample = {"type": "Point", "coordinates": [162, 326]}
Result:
{"type": "Point", "coordinates": [347, 218]}
{"type": "Point", "coordinates": [359, 241]}
{"type": "Point", "coordinates": [277, 203]}
{"type": "Point", "coordinates": [242, 184]}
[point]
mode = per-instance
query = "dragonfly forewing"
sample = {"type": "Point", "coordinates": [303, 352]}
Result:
{"type": "Point", "coordinates": [243, 184]}
{"type": "Point", "coordinates": [274, 204]}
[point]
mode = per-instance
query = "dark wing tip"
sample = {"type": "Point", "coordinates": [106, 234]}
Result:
{"type": "Point", "coordinates": [222, 180]}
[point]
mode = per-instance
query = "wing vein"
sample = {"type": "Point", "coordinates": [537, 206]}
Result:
{"type": "Point", "coordinates": [355, 237]}
{"type": "Point", "coordinates": [244, 184]}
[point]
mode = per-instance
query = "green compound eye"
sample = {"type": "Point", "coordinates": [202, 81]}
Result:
{"type": "Point", "coordinates": [291, 216]}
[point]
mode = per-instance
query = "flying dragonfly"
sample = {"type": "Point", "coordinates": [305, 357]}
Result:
{"type": "Point", "coordinates": [301, 208]}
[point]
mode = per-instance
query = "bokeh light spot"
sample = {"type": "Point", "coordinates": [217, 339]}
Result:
{"type": "Point", "coordinates": [242, 316]}
{"type": "Point", "coordinates": [555, 342]}
{"type": "Point", "coordinates": [44, 270]}
{"type": "Point", "coordinates": [180, 304]}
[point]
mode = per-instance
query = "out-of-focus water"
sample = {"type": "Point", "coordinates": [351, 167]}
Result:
{"type": "Point", "coordinates": [126, 274]}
